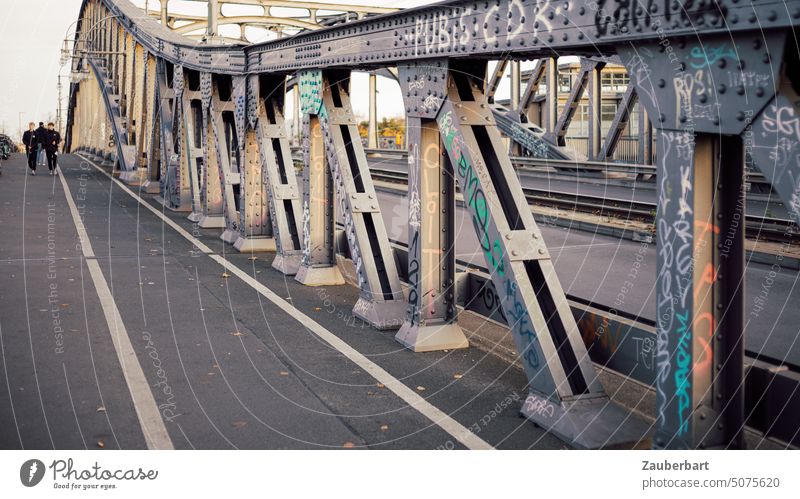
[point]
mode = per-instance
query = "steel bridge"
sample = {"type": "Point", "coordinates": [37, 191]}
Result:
{"type": "Point", "coordinates": [199, 121]}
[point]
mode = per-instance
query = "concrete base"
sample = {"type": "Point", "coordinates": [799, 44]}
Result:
{"type": "Point", "coordinates": [588, 422]}
{"type": "Point", "coordinates": [212, 222]}
{"type": "Point", "coordinates": [132, 177]}
{"type": "Point", "coordinates": [288, 264]}
{"type": "Point", "coordinates": [381, 315]}
{"type": "Point", "coordinates": [319, 276]}
{"type": "Point", "coordinates": [195, 216]}
{"type": "Point", "coordinates": [230, 236]}
{"type": "Point", "coordinates": [254, 244]}
{"type": "Point", "coordinates": [151, 186]}
{"type": "Point", "coordinates": [431, 337]}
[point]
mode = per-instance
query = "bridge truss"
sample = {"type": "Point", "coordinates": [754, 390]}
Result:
{"type": "Point", "coordinates": [202, 125]}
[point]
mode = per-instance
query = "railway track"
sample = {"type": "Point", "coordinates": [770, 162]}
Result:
{"type": "Point", "coordinates": [760, 228]}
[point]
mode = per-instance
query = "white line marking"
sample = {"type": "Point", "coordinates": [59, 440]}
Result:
{"type": "Point", "coordinates": [155, 433]}
{"type": "Point", "coordinates": [436, 415]}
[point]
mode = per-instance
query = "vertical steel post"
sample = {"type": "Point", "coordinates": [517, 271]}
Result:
{"type": "Point", "coordinates": [595, 112]}
{"type": "Point", "coordinates": [700, 343]}
{"type": "Point", "coordinates": [551, 95]}
{"type": "Point", "coordinates": [431, 319]}
{"type": "Point", "coordinates": [318, 266]}
{"type": "Point", "coordinates": [213, 18]}
{"type": "Point", "coordinates": [211, 187]}
{"type": "Point", "coordinates": [372, 132]}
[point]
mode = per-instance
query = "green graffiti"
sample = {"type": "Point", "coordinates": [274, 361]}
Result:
{"type": "Point", "coordinates": [474, 197]}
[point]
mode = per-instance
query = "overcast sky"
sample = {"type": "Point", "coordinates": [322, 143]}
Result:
{"type": "Point", "coordinates": [31, 37]}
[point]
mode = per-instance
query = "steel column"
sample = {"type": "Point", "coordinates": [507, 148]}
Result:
{"type": "Point", "coordinates": [211, 185]}
{"type": "Point", "coordinates": [551, 94]}
{"type": "Point", "coordinates": [318, 266]}
{"type": "Point", "coordinates": [431, 319]}
{"type": "Point", "coordinates": [595, 112]}
{"type": "Point", "coordinates": [372, 132]}
{"type": "Point", "coordinates": [700, 304]}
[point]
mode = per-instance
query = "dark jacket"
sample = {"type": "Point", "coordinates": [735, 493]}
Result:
{"type": "Point", "coordinates": [52, 141]}
{"type": "Point", "coordinates": [41, 136]}
{"type": "Point", "coordinates": [29, 139]}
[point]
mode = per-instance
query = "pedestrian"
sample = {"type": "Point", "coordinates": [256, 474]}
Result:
{"type": "Point", "coordinates": [51, 147]}
{"type": "Point", "coordinates": [29, 139]}
{"type": "Point", "coordinates": [41, 142]}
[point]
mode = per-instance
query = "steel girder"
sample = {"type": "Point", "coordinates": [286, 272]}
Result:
{"type": "Point", "coordinates": [714, 95]}
{"type": "Point", "coordinates": [382, 302]}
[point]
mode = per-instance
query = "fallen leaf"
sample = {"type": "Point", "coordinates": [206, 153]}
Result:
{"type": "Point", "coordinates": [348, 445]}
{"type": "Point", "coordinates": [420, 388]}
{"type": "Point", "coordinates": [239, 424]}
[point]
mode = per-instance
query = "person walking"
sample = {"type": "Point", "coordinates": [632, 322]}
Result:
{"type": "Point", "coordinates": [41, 142]}
{"type": "Point", "coordinates": [29, 139]}
{"type": "Point", "coordinates": [51, 148]}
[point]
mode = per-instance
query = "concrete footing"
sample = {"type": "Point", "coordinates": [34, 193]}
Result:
{"type": "Point", "coordinates": [431, 337]}
{"type": "Point", "coordinates": [319, 276]}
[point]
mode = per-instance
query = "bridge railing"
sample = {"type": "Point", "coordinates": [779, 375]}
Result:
{"type": "Point", "coordinates": [203, 126]}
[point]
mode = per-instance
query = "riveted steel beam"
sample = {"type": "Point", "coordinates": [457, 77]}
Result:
{"type": "Point", "coordinates": [701, 102]}
{"type": "Point", "coordinates": [211, 200]}
{"type": "Point", "coordinates": [381, 302]}
{"type": "Point", "coordinates": [255, 226]}
{"type": "Point", "coordinates": [280, 178]}
{"type": "Point", "coordinates": [565, 395]}
{"type": "Point", "coordinates": [318, 266]}
{"type": "Point", "coordinates": [229, 154]}
{"type": "Point", "coordinates": [618, 125]}
{"type": "Point", "coordinates": [430, 322]}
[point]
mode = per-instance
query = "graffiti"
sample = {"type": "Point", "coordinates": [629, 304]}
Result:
{"type": "Point", "coordinates": [675, 237]}
{"type": "Point", "coordinates": [707, 55]}
{"type": "Point", "coordinates": [748, 79]}
{"type": "Point", "coordinates": [640, 73]}
{"type": "Point", "coordinates": [683, 358]}
{"type": "Point", "coordinates": [520, 322]}
{"type": "Point", "coordinates": [689, 85]}
{"type": "Point", "coordinates": [413, 278]}
{"type": "Point", "coordinates": [306, 233]}
{"type": "Point", "coordinates": [645, 350]}
{"type": "Point", "coordinates": [618, 15]}
{"type": "Point", "coordinates": [414, 204]}
{"type": "Point", "coordinates": [794, 200]}
{"type": "Point", "coordinates": [474, 196]}
{"type": "Point", "coordinates": [416, 84]}
{"type": "Point", "coordinates": [538, 406]}
{"type": "Point", "coordinates": [782, 120]}
{"type": "Point", "coordinates": [431, 102]}
{"type": "Point", "coordinates": [310, 91]}
{"type": "Point", "coordinates": [491, 301]}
